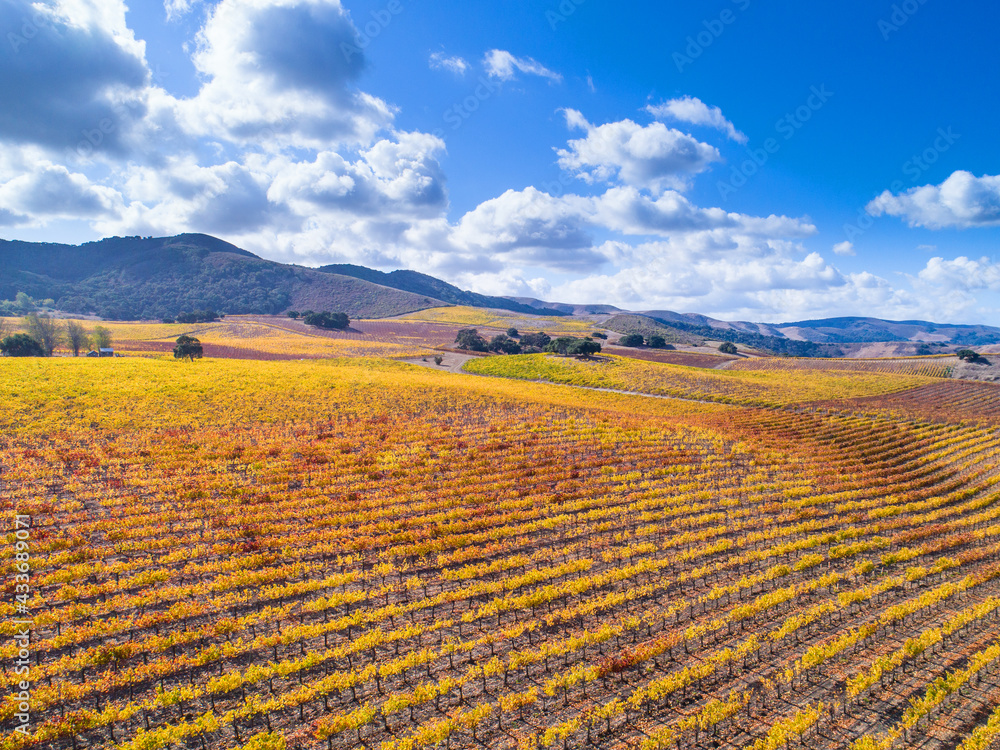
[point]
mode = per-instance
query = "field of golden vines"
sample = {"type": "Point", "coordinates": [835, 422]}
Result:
{"type": "Point", "coordinates": [352, 553]}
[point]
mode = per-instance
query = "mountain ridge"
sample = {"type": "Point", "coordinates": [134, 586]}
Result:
{"type": "Point", "coordinates": [147, 278]}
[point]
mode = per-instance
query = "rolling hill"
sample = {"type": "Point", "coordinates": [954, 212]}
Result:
{"type": "Point", "coordinates": [147, 278]}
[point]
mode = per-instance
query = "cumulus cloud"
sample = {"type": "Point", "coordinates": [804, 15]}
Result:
{"type": "Point", "coordinates": [962, 273]}
{"type": "Point", "coordinates": [456, 65]}
{"type": "Point", "coordinates": [51, 191]}
{"type": "Point", "coordinates": [653, 157]}
{"type": "Point", "coordinates": [961, 201]}
{"type": "Point", "coordinates": [400, 177]}
{"type": "Point", "coordinates": [693, 110]}
{"type": "Point", "coordinates": [71, 72]}
{"type": "Point", "coordinates": [503, 65]}
{"type": "Point", "coordinates": [257, 82]}
{"type": "Point", "coordinates": [844, 248]}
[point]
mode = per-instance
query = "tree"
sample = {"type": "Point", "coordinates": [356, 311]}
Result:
{"type": "Point", "coordinates": [292, 314]}
{"type": "Point", "coordinates": [967, 355]}
{"type": "Point", "coordinates": [632, 339]}
{"type": "Point", "coordinates": [470, 340]}
{"type": "Point", "coordinates": [438, 359]}
{"type": "Point", "coordinates": [100, 338]}
{"type": "Point", "coordinates": [331, 321]}
{"type": "Point", "coordinates": [599, 335]}
{"type": "Point", "coordinates": [656, 342]}
{"type": "Point", "coordinates": [44, 330]}
{"type": "Point", "coordinates": [188, 347]}
{"type": "Point", "coordinates": [538, 340]}
{"type": "Point", "coordinates": [561, 345]}
{"type": "Point", "coordinates": [584, 348]}
{"type": "Point", "coordinates": [728, 347]}
{"type": "Point", "coordinates": [21, 345]}
{"type": "Point", "coordinates": [504, 345]}
{"type": "Point", "coordinates": [512, 332]}
{"type": "Point", "coordinates": [76, 337]}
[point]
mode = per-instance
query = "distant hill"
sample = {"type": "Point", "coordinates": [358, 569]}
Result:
{"type": "Point", "coordinates": [857, 329]}
{"type": "Point", "coordinates": [422, 284]}
{"type": "Point", "coordinates": [145, 278]}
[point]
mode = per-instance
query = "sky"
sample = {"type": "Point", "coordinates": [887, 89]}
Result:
{"type": "Point", "coordinates": [726, 157]}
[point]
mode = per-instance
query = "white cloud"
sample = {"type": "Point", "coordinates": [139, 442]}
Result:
{"type": "Point", "coordinates": [693, 110]}
{"type": "Point", "coordinates": [178, 8]}
{"type": "Point", "coordinates": [962, 273]}
{"type": "Point", "coordinates": [653, 158]}
{"type": "Point", "coordinates": [400, 178]}
{"type": "Point", "coordinates": [961, 201]}
{"type": "Point", "coordinates": [456, 65]}
{"type": "Point", "coordinates": [71, 73]}
{"type": "Point", "coordinates": [844, 248]}
{"type": "Point", "coordinates": [503, 65]}
{"type": "Point", "coordinates": [300, 94]}
{"type": "Point", "coordinates": [50, 191]}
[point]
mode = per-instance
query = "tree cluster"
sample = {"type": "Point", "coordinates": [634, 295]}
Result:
{"type": "Point", "coordinates": [44, 334]}
{"type": "Point", "coordinates": [573, 347]}
{"type": "Point", "coordinates": [728, 347]}
{"type": "Point", "coordinates": [334, 321]}
{"type": "Point", "coordinates": [636, 340]}
{"type": "Point", "coordinates": [198, 316]}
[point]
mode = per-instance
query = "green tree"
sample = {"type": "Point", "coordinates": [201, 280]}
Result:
{"type": "Point", "coordinates": [292, 314]}
{"type": "Point", "coordinates": [728, 347]}
{"type": "Point", "coordinates": [470, 340]}
{"type": "Point", "coordinates": [584, 348]}
{"type": "Point", "coordinates": [967, 355]}
{"type": "Point", "coordinates": [504, 345]}
{"type": "Point", "coordinates": [512, 332]}
{"type": "Point", "coordinates": [21, 345]}
{"type": "Point", "coordinates": [101, 338]}
{"type": "Point", "coordinates": [656, 342]}
{"type": "Point", "coordinates": [332, 321]}
{"type": "Point", "coordinates": [188, 347]}
{"type": "Point", "coordinates": [632, 339]}
{"type": "Point", "coordinates": [561, 345]}
{"type": "Point", "coordinates": [44, 330]}
{"type": "Point", "coordinates": [538, 340]}
{"type": "Point", "coordinates": [76, 337]}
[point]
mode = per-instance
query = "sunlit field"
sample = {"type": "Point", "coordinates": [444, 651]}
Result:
{"type": "Point", "coordinates": [363, 553]}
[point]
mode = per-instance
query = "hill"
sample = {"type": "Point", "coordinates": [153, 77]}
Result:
{"type": "Point", "coordinates": [422, 284]}
{"type": "Point", "coordinates": [144, 278]}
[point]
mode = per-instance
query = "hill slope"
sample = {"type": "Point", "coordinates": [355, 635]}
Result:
{"type": "Point", "coordinates": [422, 284]}
{"type": "Point", "coordinates": [135, 278]}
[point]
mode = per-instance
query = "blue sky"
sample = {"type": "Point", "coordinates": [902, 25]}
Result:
{"type": "Point", "coordinates": [731, 158]}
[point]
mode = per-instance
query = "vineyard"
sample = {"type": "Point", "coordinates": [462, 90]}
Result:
{"type": "Point", "coordinates": [750, 387]}
{"type": "Point", "coordinates": [361, 553]}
